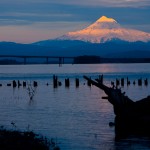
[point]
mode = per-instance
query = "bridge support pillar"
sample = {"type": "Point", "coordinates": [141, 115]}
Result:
{"type": "Point", "coordinates": [25, 60]}
{"type": "Point", "coordinates": [60, 61]}
{"type": "Point", "coordinates": [47, 60]}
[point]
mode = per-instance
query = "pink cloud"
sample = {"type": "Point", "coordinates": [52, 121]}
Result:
{"type": "Point", "coordinates": [35, 32]}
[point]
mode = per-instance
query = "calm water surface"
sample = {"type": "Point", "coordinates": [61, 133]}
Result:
{"type": "Point", "coordinates": [77, 117]}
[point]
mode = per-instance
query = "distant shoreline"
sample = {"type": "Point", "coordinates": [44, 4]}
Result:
{"type": "Point", "coordinates": [77, 60]}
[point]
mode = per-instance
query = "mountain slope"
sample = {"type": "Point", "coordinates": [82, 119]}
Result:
{"type": "Point", "coordinates": [114, 48]}
{"type": "Point", "coordinates": [106, 29]}
{"type": "Point", "coordinates": [77, 48]}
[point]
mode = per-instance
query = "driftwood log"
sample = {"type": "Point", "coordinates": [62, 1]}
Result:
{"type": "Point", "coordinates": [131, 116]}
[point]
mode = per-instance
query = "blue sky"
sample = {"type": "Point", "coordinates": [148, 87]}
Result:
{"type": "Point", "coordinates": [27, 21]}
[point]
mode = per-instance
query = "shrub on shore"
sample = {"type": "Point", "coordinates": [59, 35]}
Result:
{"type": "Point", "coordinates": [28, 140]}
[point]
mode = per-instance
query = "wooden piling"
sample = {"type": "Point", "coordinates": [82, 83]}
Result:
{"type": "Point", "coordinates": [122, 81]}
{"type": "Point", "coordinates": [128, 82]}
{"type": "Point", "coordinates": [88, 82]}
{"type": "Point", "coordinates": [24, 84]}
{"type": "Point", "coordinates": [59, 83]}
{"type": "Point", "coordinates": [19, 84]}
{"type": "Point", "coordinates": [77, 82]}
{"type": "Point", "coordinates": [117, 82]}
{"type": "Point", "coordinates": [140, 82]}
{"type": "Point", "coordinates": [55, 81]}
{"type": "Point", "coordinates": [146, 82]}
{"type": "Point", "coordinates": [112, 84]}
{"type": "Point", "coordinates": [8, 84]}
{"type": "Point", "coordinates": [14, 84]}
{"type": "Point", "coordinates": [35, 84]}
{"type": "Point", "coordinates": [67, 82]}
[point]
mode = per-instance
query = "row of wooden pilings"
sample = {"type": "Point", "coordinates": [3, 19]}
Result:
{"type": "Point", "coordinates": [121, 82]}
{"type": "Point", "coordinates": [18, 84]}
{"type": "Point", "coordinates": [57, 83]}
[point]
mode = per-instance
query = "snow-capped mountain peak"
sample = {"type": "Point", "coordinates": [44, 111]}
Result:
{"type": "Point", "coordinates": [104, 23]}
{"type": "Point", "coordinates": [105, 19]}
{"type": "Point", "coordinates": [106, 29]}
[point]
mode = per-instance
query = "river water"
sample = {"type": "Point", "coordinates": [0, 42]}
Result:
{"type": "Point", "coordinates": [76, 117]}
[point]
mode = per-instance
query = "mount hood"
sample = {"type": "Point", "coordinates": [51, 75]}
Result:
{"type": "Point", "coordinates": [104, 30]}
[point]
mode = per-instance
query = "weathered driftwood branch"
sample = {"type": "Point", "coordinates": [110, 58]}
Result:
{"type": "Point", "coordinates": [123, 105]}
{"type": "Point", "coordinates": [114, 96]}
{"type": "Point", "coordinates": [131, 117]}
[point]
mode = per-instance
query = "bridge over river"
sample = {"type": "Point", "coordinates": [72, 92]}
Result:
{"type": "Point", "coordinates": [25, 59]}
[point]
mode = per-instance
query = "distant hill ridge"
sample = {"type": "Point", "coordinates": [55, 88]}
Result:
{"type": "Point", "coordinates": [78, 48]}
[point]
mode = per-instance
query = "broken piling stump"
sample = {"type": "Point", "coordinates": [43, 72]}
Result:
{"type": "Point", "coordinates": [122, 81]}
{"type": "Point", "coordinates": [67, 82]}
{"type": "Point", "coordinates": [55, 81]}
{"type": "Point", "coordinates": [140, 82]}
{"type": "Point", "coordinates": [77, 82]}
{"type": "Point", "coordinates": [35, 84]}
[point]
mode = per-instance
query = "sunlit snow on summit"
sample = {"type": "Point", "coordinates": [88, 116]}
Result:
{"type": "Point", "coordinates": [106, 29]}
{"type": "Point", "coordinates": [105, 19]}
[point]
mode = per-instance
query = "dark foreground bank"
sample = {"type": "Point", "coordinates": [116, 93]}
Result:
{"type": "Point", "coordinates": [27, 140]}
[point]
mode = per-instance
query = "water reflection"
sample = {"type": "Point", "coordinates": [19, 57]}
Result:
{"type": "Point", "coordinates": [133, 143]}
{"type": "Point", "coordinates": [78, 117]}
